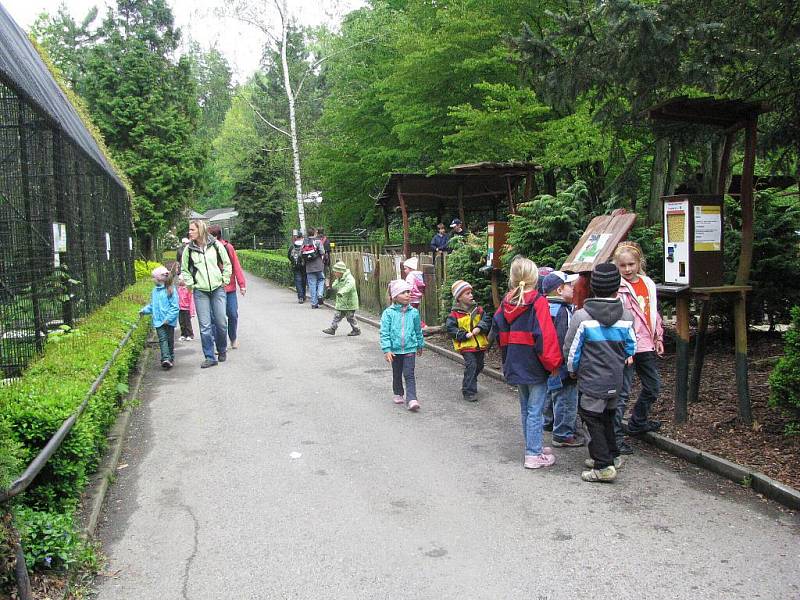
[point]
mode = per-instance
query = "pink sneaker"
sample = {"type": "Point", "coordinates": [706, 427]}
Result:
{"type": "Point", "coordinates": [538, 461]}
{"type": "Point", "coordinates": [398, 400]}
{"type": "Point", "coordinates": [547, 450]}
{"type": "Point", "coordinates": [413, 405]}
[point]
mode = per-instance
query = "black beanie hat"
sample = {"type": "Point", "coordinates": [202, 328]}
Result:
{"type": "Point", "coordinates": [605, 280]}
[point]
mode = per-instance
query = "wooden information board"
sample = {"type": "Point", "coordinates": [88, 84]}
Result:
{"type": "Point", "coordinates": [598, 242]}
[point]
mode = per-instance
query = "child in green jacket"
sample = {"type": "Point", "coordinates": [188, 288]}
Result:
{"type": "Point", "coordinates": [344, 284]}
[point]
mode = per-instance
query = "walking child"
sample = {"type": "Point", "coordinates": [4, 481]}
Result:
{"type": "Point", "coordinates": [638, 293]}
{"type": "Point", "coordinates": [186, 306]}
{"type": "Point", "coordinates": [402, 342]}
{"type": "Point", "coordinates": [599, 342]}
{"type": "Point", "coordinates": [468, 324]}
{"type": "Point", "coordinates": [164, 308]}
{"type": "Point", "coordinates": [414, 278]}
{"type": "Point", "coordinates": [344, 285]}
{"type": "Point", "coordinates": [529, 347]}
{"type": "Point", "coordinates": [561, 408]}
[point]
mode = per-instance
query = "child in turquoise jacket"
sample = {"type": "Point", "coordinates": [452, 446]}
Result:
{"type": "Point", "coordinates": [402, 342]}
{"type": "Point", "coordinates": [164, 308]}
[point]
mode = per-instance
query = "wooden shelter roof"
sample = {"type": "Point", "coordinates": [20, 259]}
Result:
{"type": "Point", "coordinates": [427, 193]}
{"type": "Point", "coordinates": [708, 111]}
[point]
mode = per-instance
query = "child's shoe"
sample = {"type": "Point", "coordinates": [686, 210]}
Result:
{"type": "Point", "coordinates": [618, 463]}
{"type": "Point", "coordinates": [355, 331]}
{"type": "Point", "coordinates": [572, 441]}
{"type": "Point", "coordinates": [539, 461]}
{"type": "Point", "coordinates": [606, 475]}
{"type": "Point", "coordinates": [398, 399]}
{"type": "Point", "coordinates": [182, 338]}
{"type": "Point", "coordinates": [329, 331]}
{"type": "Point", "coordinates": [413, 405]}
{"type": "Point", "coordinates": [166, 364]}
{"type": "Point", "coordinates": [190, 338]}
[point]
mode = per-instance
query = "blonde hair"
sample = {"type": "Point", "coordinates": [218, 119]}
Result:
{"type": "Point", "coordinates": [632, 248]}
{"type": "Point", "coordinates": [522, 277]}
{"type": "Point", "coordinates": [202, 231]}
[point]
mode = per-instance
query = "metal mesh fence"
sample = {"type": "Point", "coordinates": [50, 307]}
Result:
{"type": "Point", "coordinates": [65, 232]}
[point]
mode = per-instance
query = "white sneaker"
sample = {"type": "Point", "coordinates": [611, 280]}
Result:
{"type": "Point", "coordinates": [183, 339]}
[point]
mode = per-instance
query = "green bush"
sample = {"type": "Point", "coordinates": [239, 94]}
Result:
{"type": "Point", "coordinates": [143, 268]}
{"type": "Point", "coordinates": [269, 265]}
{"type": "Point", "coordinates": [465, 262]}
{"type": "Point", "coordinates": [52, 541]}
{"type": "Point", "coordinates": [784, 381]}
{"type": "Point", "coordinates": [34, 406]}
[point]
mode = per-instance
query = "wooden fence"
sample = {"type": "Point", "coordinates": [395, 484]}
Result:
{"type": "Point", "coordinates": [373, 271]}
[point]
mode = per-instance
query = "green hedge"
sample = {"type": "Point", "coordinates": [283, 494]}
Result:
{"type": "Point", "coordinates": [33, 407]}
{"type": "Point", "coordinates": [784, 381]}
{"type": "Point", "coordinates": [269, 265]}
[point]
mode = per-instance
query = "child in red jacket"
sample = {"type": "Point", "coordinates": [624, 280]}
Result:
{"type": "Point", "coordinates": [530, 350]}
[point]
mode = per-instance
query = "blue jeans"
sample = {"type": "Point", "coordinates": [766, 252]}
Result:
{"type": "Point", "coordinates": [232, 312]}
{"type": "Point", "coordinates": [300, 284]}
{"type": "Point", "coordinates": [646, 366]}
{"type": "Point", "coordinates": [565, 410]}
{"type": "Point", "coordinates": [212, 331]}
{"type": "Point", "coordinates": [316, 284]}
{"type": "Point", "coordinates": [166, 341]}
{"type": "Point", "coordinates": [531, 400]}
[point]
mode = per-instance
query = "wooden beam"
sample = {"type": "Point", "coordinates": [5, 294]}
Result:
{"type": "Point", "coordinates": [746, 253]}
{"type": "Point", "coordinates": [681, 358]}
{"type": "Point", "coordinates": [724, 162]}
{"type": "Point", "coordinates": [742, 386]}
{"type": "Point", "coordinates": [512, 208]}
{"type": "Point", "coordinates": [404, 212]}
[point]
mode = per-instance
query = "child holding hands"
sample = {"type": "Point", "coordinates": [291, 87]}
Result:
{"type": "Point", "coordinates": [468, 324]}
{"type": "Point", "coordinates": [402, 342]}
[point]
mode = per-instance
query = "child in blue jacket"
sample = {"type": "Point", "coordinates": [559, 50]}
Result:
{"type": "Point", "coordinates": [402, 342]}
{"type": "Point", "coordinates": [164, 308]}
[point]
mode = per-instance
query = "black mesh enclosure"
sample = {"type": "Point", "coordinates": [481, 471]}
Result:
{"type": "Point", "coordinates": [66, 242]}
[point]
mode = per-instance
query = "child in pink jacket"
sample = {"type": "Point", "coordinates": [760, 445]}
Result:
{"type": "Point", "coordinates": [638, 294]}
{"type": "Point", "coordinates": [186, 306]}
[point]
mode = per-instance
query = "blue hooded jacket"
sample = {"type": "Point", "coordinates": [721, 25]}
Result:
{"type": "Point", "coordinates": [163, 307]}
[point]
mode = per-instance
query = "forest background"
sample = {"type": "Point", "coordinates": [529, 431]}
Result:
{"type": "Point", "coordinates": [422, 85]}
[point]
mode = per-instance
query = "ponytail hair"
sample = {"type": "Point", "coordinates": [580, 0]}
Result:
{"type": "Point", "coordinates": [170, 281]}
{"type": "Point", "coordinates": [523, 276]}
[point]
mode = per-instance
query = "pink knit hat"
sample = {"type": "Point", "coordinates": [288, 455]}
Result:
{"type": "Point", "coordinates": [160, 273]}
{"type": "Point", "coordinates": [397, 287]}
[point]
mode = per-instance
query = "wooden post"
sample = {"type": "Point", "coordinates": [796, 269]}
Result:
{"type": "Point", "coordinates": [495, 290]}
{"type": "Point", "coordinates": [385, 227]}
{"type": "Point", "coordinates": [511, 206]}
{"type": "Point", "coordinates": [681, 358]}
{"type": "Point", "coordinates": [740, 329]}
{"type": "Point", "coordinates": [699, 353]}
{"type": "Point", "coordinates": [724, 162]}
{"type": "Point", "coordinates": [461, 214]}
{"type": "Point", "coordinates": [404, 212]}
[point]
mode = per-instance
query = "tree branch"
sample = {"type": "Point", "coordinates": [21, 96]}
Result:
{"type": "Point", "coordinates": [263, 118]}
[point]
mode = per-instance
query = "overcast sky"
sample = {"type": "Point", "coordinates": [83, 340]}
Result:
{"type": "Point", "coordinates": [241, 44]}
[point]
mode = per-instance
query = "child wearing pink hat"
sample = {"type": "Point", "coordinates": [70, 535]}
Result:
{"type": "Point", "coordinates": [402, 342]}
{"type": "Point", "coordinates": [164, 308]}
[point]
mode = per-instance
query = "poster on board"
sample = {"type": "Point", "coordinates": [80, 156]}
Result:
{"type": "Point", "coordinates": [592, 247]}
{"type": "Point", "coordinates": [707, 228]}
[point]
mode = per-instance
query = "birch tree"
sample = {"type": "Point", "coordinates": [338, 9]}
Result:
{"type": "Point", "coordinates": [273, 19]}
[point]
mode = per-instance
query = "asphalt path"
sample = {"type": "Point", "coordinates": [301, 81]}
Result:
{"type": "Point", "coordinates": [287, 472]}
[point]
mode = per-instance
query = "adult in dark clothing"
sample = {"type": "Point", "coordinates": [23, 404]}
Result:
{"type": "Point", "coordinates": [457, 228]}
{"type": "Point", "coordinates": [298, 266]}
{"type": "Point", "coordinates": [315, 268]}
{"type": "Point", "coordinates": [440, 239]}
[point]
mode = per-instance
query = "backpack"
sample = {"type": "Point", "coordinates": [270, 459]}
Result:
{"type": "Point", "coordinates": [310, 249]}
{"type": "Point", "coordinates": [296, 256]}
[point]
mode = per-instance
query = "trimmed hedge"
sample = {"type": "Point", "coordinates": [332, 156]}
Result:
{"type": "Point", "coordinates": [784, 381]}
{"type": "Point", "coordinates": [269, 265]}
{"type": "Point", "coordinates": [33, 407]}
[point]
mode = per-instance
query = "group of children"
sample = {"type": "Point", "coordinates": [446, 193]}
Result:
{"type": "Point", "coordinates": [580, 363]}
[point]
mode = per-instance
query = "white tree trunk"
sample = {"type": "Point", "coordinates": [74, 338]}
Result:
{"type": "Point", "coordinates": [301, 213]}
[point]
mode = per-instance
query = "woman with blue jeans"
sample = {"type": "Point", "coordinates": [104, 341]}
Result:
{"type": "Point", "coordinates": [231, 302]}
{"type": "Point", "coordinates": [206, 269]}
{"type": "Point", "coordinates": [529, 346]}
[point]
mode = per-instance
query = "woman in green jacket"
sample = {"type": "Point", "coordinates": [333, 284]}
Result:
{"type": "Point", "coordinates": [206, 269]}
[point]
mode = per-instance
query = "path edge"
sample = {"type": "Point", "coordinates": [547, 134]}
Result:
{"type": "Point", "coordinates": [745, 476]}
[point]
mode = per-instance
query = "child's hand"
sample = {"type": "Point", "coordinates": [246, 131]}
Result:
{"type": "Point", "coordinates": [629, 361]}
{"type": "Point", "coordinates": [389, 357]}
{"type": "Point", "coordinates": [660, 347]}
{"type": "Point", "coordinates": [469, 335]}
{"type": "Point", "coordinates": [476, 331]}
{"type": "Point", "coordinates": [419, 352]}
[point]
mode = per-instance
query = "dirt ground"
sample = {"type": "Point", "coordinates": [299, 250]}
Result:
{"type": "Point", "coordinates": [712, 425]}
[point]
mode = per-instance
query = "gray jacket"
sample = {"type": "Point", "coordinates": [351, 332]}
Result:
{"type": "Point", "coordinates": [599, 339]}
{"type": "Point", "coordinates": [316, 265]}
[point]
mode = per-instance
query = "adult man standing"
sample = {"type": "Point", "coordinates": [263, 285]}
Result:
{"type": "Point", "coordinates": [314, 255]}
{"type": "Point", "coordinates": [295, 255]}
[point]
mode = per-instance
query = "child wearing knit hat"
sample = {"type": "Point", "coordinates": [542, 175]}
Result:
{"type": "Point", "coordinates": [600, 341]}
{"type": "Point", "coordinates": [164, 309]}
{"type": "Point", "coordinates": [344, 286]}
{"type": "Point", "coordinates": [468, 324]}
{"type": "Point", "coordinates": [401, 342]}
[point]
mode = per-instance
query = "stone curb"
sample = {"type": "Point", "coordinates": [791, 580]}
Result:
{"type": "Point", "coordinates": [101, 480]}
{"type": "Point", "coordinates": [759, 482]}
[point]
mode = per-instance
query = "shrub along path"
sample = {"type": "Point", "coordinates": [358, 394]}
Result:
{"type": "Point", "coordinates": [287, 472]}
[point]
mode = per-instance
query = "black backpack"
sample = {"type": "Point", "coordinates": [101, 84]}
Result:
{"type": "Point", "coordinates": [296, 256]}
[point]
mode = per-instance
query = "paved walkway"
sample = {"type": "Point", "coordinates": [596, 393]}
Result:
{"type": "Point", "coordinates": [287, 472]}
